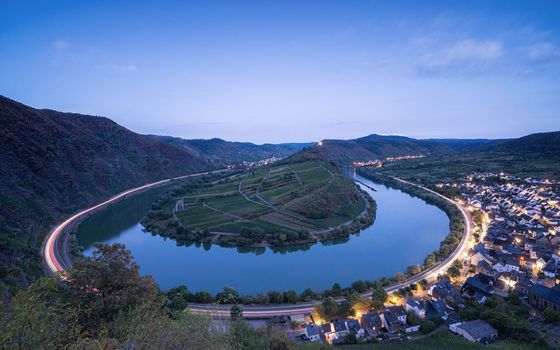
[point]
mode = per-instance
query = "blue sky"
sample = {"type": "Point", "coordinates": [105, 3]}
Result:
{"type": "Point", "coordinates": [283, 71]}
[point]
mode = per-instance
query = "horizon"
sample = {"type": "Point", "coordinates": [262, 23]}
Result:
{"type": "Point", "coordinates": [292, 71]}
{"type": "Point", "coordinates": [301, 141]}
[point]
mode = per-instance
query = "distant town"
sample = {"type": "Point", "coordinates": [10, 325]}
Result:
{"type": "Point", "coordinates": [378, 163]}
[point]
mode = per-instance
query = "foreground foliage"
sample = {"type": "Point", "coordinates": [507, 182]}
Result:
{"type": "Point", "coordinates": [445, 341]}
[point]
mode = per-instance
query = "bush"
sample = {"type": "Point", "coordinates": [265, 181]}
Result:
{"type": "Point", "coordinates": [427, 326]}
{"type": "Point", "coordinates": [551, 316]}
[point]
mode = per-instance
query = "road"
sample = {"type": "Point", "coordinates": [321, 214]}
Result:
{"type": "Point", "coordinates": [55, 247]}
{"type": "Point", "coordinates": [57, 260]}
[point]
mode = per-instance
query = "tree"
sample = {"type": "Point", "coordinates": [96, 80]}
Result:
{"type": "Point", "coordinates": [336, 289]}
{"type": "Point", "coordinates": [275, 297]}
{"type": "Point", "coordinates": [412, 318]}
{"type": "Point", "coordinates": [290, 297]}
{"type": "Point", "coordinates": [551, 316]}
{"type": "Point", "coordinates": [307, 295]}
{"type": "Point", "coordinates": [427, 326]}
{"type": "Point", "coordinates": [177, 298]}
{"type": "Point", "coordinates": [458, 264]}
{"type": "Point", "coordinates": [38, 318]}
{"type": "Point", "coordinates": [107, 284]}
{"type": "Point", "coordinates": [227, 296]}
{"type": "Point", "coordinates": [400, 277]}
{"type": "Point", "coordinates": [236, 312]}
{"type": "Point", "coordinates": [357, 303]}
{"type": "Point", "coordinates": [413, 270]}
{"type": "Point", "coordinates": [453, 271]}
{"type": "Point", "coordinates": [330, 308]}
{"type": "Point", "coordinates": [360, 286]}
{"type": "Point", "coordinates": [203, 297]}
{"type": "Point", "coordinates": [378, 297]}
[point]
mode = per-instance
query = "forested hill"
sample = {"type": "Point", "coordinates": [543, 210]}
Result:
{"type": "Point", "coordinates": [375, 146]}
{"type": "Point", "coordinates": [52, 163]}
{"type": "Point", "coordinates": [545, 144]}
{"type": "Point", "coordinates": [219, 151]}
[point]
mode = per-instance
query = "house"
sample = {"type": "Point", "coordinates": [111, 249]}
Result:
{"type": "Point", "coordinates": [478, 286]}
{"type": "Point", "coordinates": [418, 307]}
{"type": "Point", "coordinates": [549, 270]}
{"type": "Point", "coordinates": [506, 265]}
{"type": "Point", "coordinates": [340, 328]}
{"type": "Point", "coordinates": [391, 322]}
{"type": "Point", "coordinates": [399, 312]}
{"type": "Point", "coordinates": [475, 331]}
{"type": "Point", "coordinates": [484, 267]}
{"type": "Point", "coordinates": [301, 319]}
{"type": "Point", "coordinates": [437, 308]}
{"type": "Point", "coordinates": [354, 327]}
{"type": "Point", "coordinates": [444, 290]}
{"type": "Point", "coordinates": [312, 332]}
{"type": "Point", "coordinates": [327, 332]}
{"type": "Point", "coordinates": [523, 285]}
{"type": "Point", "coordinates": [412, 328]}
{"type": "Point", "coordinates": [544, 297]}
{"type": "Point", "coordinates": [372, 323]}
{"type": "Point", "coordinates": [479, 256]}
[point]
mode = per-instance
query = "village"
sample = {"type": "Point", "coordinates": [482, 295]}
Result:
{"type": "Point", "coordinates": [516, 251]}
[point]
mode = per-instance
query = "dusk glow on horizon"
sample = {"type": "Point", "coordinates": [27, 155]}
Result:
{"type": "Point", "coordinates": [290, 71]}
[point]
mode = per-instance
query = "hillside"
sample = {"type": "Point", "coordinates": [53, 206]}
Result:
{"type": "Point", "coordinates": [532, 155]}
{"type": "Point", "coordinates": [468, 145]}
{"type": "Point", "coordinates": [219, 151]}
{"type": "Point", "coordinates": [53, 163]}
{"type": "Point", "coordinates": [374, 146]}
{"type": "Point", "coordinates": [288, 202]}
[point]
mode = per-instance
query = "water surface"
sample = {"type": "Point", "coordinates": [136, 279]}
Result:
{"type": "Point", "coordinates": [406, 229]}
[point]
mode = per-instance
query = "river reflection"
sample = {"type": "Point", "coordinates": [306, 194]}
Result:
{"type": "Point", "coordinates": [406, 229]}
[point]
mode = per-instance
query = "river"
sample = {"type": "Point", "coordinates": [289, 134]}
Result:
{"type": "Point", "coordinates": [406, 229]}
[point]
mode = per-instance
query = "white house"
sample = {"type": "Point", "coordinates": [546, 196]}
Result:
{"type": "Point", "coordinates": [312, 332]}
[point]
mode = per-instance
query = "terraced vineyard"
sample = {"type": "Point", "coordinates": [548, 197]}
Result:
{"type": "Point", "coordinates": [291, 202]}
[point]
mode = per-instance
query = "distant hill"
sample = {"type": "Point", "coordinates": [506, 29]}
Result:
{"type": "Point", "coordinates": [375, 146]}
{"type": "Point", "coordinates": [468, 145]}
{"type": "Point", "coordinates": [219, 151]}
{"type": "Point", "coordinates": [532, 155]}
{"type": "Point", "coordinates": [542, 145]}
{"type": "Point", "coordinates": [52, 163]}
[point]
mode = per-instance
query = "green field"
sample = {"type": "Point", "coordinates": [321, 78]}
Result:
{"type": "Point", "coordinates": [286, 202]}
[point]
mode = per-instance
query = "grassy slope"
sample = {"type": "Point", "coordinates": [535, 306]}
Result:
{"type": "Point", "coordinates": [445, 341]}
{"type": "Point", "coordinates": [320, 189]}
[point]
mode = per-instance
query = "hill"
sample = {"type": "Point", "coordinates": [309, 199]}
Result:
{"type": "Point", "coordinates": [223, 152]}
{"type": "Point", "coordinates": [288, 202]}
{"type": "Point", "coordinates": [540, 145]}
{"type": "Point", "coordinates": [53, 163]}
{"type": "Point", "coordinates": [532, 155]}
{"type": "Point", "coordinates": [379, 147]}
{"type": "Point", "coordinates": [468, 145]}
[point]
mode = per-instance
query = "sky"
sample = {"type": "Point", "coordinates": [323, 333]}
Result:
{"type": "Point", "coordinates": [290, 71]}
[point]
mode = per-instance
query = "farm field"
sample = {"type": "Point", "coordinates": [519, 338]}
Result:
{"type": "Point", "coordinates": [286, 202]}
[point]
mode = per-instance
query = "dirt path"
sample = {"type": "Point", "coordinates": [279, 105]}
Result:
{"type": "Point", "coordinates": [221, 211]}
